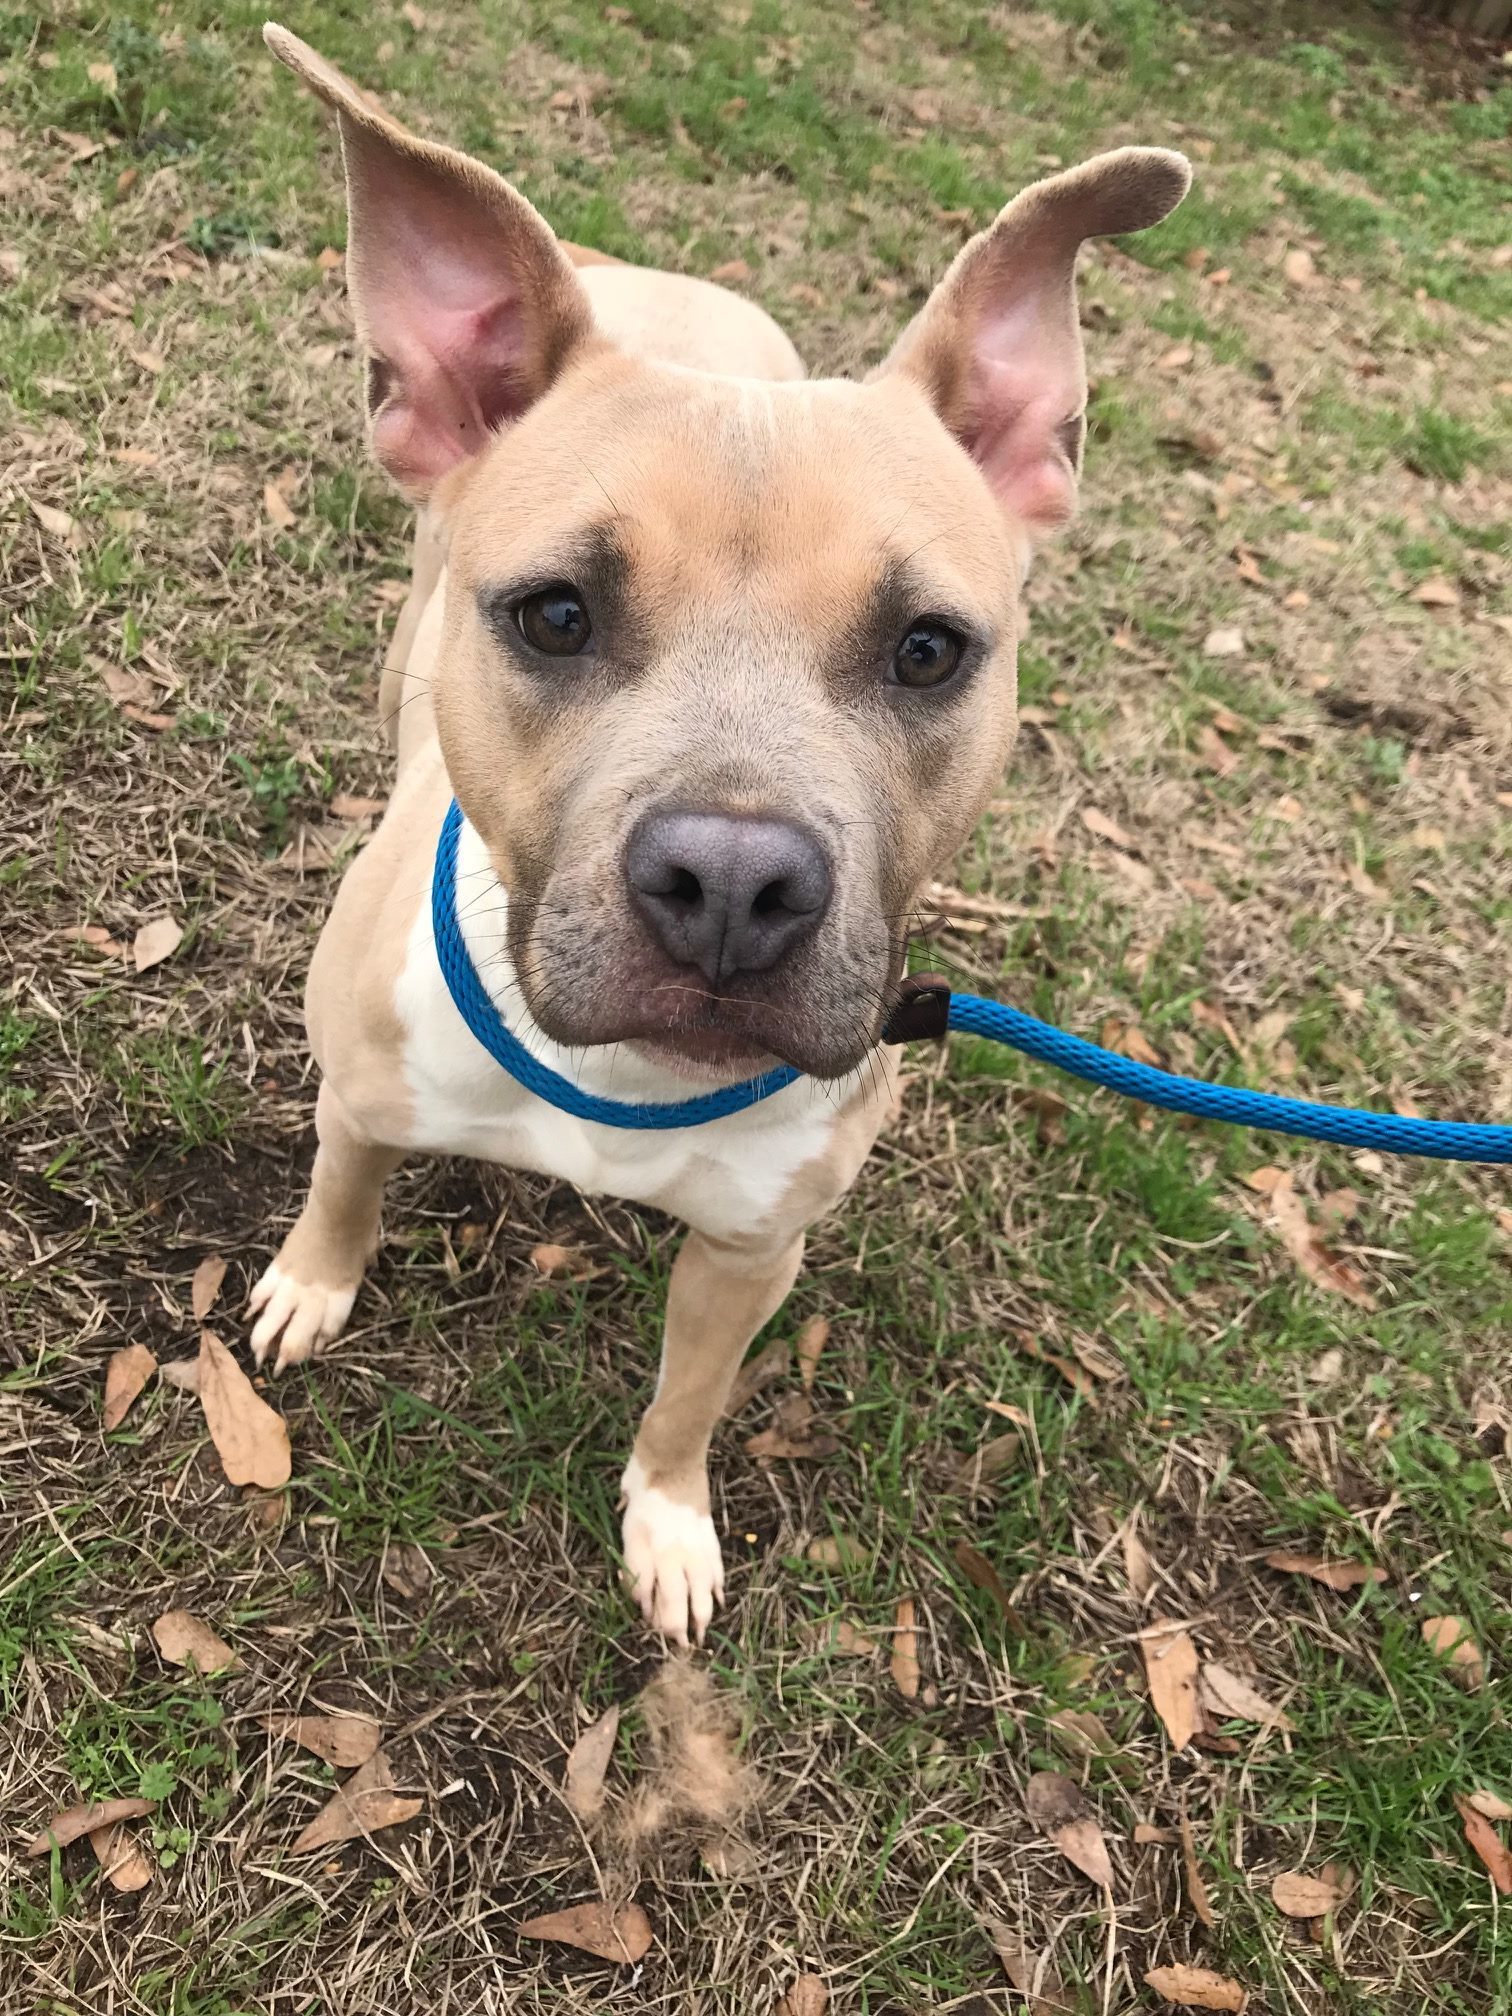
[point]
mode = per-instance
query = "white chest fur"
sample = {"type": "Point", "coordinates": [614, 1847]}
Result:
{"type": "Point", "coordinates": [722, 1177]}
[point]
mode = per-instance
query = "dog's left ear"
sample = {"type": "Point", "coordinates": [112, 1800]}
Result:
{"type": "Point", "coordinates": [997, 347]}
{"type": "Point", "coordinates": [466, 303]}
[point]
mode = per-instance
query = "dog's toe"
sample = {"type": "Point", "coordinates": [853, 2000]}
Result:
{"type": "Point", "coordinates": [673, 1561]}
{"type": "Point", "coordinates": [298, 1316]}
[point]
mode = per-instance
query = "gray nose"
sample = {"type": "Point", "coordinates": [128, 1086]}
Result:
{"type": "Point", "coordinates": [726, 892]}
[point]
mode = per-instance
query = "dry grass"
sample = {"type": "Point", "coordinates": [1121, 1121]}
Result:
{"type": "Point", "coordinates": [1336, 894]}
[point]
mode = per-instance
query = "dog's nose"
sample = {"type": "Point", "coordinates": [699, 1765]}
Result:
{"type": "Point", "coordinates": [726, 892]}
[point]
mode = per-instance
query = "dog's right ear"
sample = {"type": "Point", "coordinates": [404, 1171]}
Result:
{"type": "Point", "coordinates": [466, 303]}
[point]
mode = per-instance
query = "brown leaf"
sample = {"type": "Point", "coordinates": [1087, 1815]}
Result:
{"type": "Point", "coordinates": [367, 1802]}
{"type": "Point", "coordinates": [127, 688]}
{"type": "Point", "coordinates": [780, 1444]}
{"type": "Point", "coordinates": [808, 1996]}
{"type": "Point", "coordinates": [1138, 1565]}
{"type": "Point", "coordinates": [732, 269]}
{"type": "Point", "coordinates": [407, 1569]}
{"type": "Point", "coordinates": [849, 1641]}
{"type": "Point", "coordinates": [1170, 1660]}
{"type": "Point", "coordinates": [1003, 1452]}
{"type": "Point", "coordinates": [250, 1438]}
{"type": "Point", "coordinates": [979, 1571]}
{"type": "Point", "coordinates": [623, 1935]}
{"type": "Point", "coordinates": [57, 523]}
{"type": "Point", "coordinates": [587, 1762]}
{"type": "Point", "coordinates": [127, 1865]}
{"type": "Point", "coordinates": [343, 1740]}
{"type": "Point", "coordinates": [833, 1550]}
{"type": "Point", "coordinates": [812, 1339]}
{"type": "Point", "coordinates": [1490, 1805]}
{"type": "Point", "coordinates": [1034, 1976]}
{"type": "Point", "coordinates": [1176, 359]}
{"type": "Point", "coordinates": [206, 1285]}
{"type": "Point", "coordinates": [1196, 1987]}
{"type": "Point", "coordinates": [278, 507]}
{"type": "Point", "coordinates": [1146, 1836]}
{"type": "Point", "coordinates": [153, 362]}
{"type": "Point", "coordinates": [1437, 593]}
{"type": "Point", "coordinates": [1072, 1373]}
{"type": "Point", "coordinates": [1225, 642]}
{"type": "Point", "coordinates": [1300, 1896]}
{"type": "Point", "coordinates": [186, 1640]}
{"type": "Point", "coordinates": [905, 1650]}
{"type": "Point", "coordinates": [569, 1262]}
{"type": "Point", "coordinates": [1230, 1697]}
{"type": "Point", "coordinates": [1078, 1733]}
{"type": "Point", "coordinates": [1454, 1642]}
{"type": "Point", "coordinates": [1487, 1843]}
{"type": "Point", "coordinates": [1215, 752]}
{"type": "Point", "coordinates": [769, 1364]}
{"type": "Point", "coordinates": [155, 942]}
{"type": "Point", "coordinates": [1107, 829]}
{"type": "Point", "coordinates": [415, 16]}
{"type": "Point", "coordinates": [75, 1821]}
{"type": "Point", "coordinates": [1061, 1814]}
{"type": "Point", "coordinates": [1196, 1886]}
{"type": "Point", "coordinates": [1324, 1269]}
{"type": "Point", "coordinates": [125, 1376]}
{"type": "Point", "coordinates": [1341, 1575]}
{"type": "Point", "coordinates": [183, 1373]}
{"type": "Point", "coordinates": [100, 940]}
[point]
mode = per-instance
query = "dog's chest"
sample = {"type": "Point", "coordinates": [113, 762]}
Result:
{"type": "Point", "coordinates": [723, 1177]}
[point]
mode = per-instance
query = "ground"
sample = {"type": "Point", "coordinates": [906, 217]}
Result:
{"type": "Point", "coordinates": [1258, 825]}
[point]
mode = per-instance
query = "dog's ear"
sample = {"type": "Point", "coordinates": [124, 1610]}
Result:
{"type": "Point", "coordinates": [466, 303]}
{"type": "Point", "coordinates": [997, 347]}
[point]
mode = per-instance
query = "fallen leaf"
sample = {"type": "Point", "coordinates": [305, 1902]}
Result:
{"type": "Point", "coordinates": [103, 74]}
{"type": "Point", "coordinates": [1300, 267]}
{"type": "Point", "coordinates": [1323, 1268]}
{"type": "Point", "coordinates": [769, 1364]}
{"type": "Point", "coordinates": [206, 1285]}
{"type": "Point", "coordinates": [1061, 1814]}
{"type": "Point", "coordinates": [125, 1862]}
{"type": "Point", "coordinates": [184, 1373]}
{"type": "Point", "coordinates": [1073, 1374]}
{"type": "Point", "coordinates": [1171, 1662]}
{"type": "Point", "coordinates": [1300, 1896]}
{"type": "Point", "coordinates": [126, 1374]}
{"type": "Point", "coordinates": [343, 1740]}
{"type": "Point", "coordinates": [97, 937]}
{"type": "Point", "coordinates": [808, 1996]}
{"type": "Point", "coordinates": [345, 807]}
{"type": "Point", "coordinates": [1196, 1987]}
{"type": "Point", "coordinates": [278, 507]}
{"type": "Point", "coordinates": [407, 1569]}
{"type": "Point", "coordinates": [812, 1339]}
{"type": "Point", "coordinates": [732, 269]}
{"type": "Point", "coordinates": [151, 361]}
{"type": "Point", "coordinates": [1107, 829]}
{"type": "Point", "coordinates": [568, 1261]}
{"type": "Point", "coordinates": [1146, 1836]}
{"type": "Point", "coordinates": [1215, 752]}
{"type": "Point", "coordinates": [186, 1640]}
{"type": "Point", "coordinates": [155, 942]}
{"type": "Point", "coordinates": [1264, 1180]}
{"type": "Point", "coordinates": [833, 1550]}
{"type": "Point", "coordinates": [1340, 1575]}
{"type": "Point", "coordinates": [1231, 1698]}
{"type": "Point", "coordinates": [1003, 1452]}
{"type": "Point", "coordinates": [365, 1803]}
{"type": "Point", "coordinates": [623, 1935]}
{"type": "Point", "coordinates": [1081, 1734]}
{"type": "Point", "coordinates": [250, 1437]}
{"type": "Point", "coordinates": [1437, 593]}
{"type": "Point", "coordinates": [1226, 642]}
{"type": "Point", "coordinates": [76, 1821]}
{"type": "Point", "coordinates": [905, 1650]}
{"type": "Point", "coordinates": [1034, 1976]}
{"type": "Point", "coordinates": [1176, 358]}
{"type": "Point", "coordinates": [1196, 1886]}
{"type": "Point", "coordinates": [1487, 1843]}
{"type": "Point", "coordinates": [1490, 1805]}
{"type": "Point", "coordinates": [1454, 1642]}
{"type": "Point", "coordinates": [980, 1572]}
{"type": "Point", "coordinates": [587, 1762]}
{"type": "Point", "coordinates": [53, 521]}
{"type": "Point", "coordinates": [851, 1642]}
{"type": "Point", "coordinates": [132, 689]}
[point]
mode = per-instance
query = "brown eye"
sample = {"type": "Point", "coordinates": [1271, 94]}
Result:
{"type": "Point", "coordinates": [928, 654]}
{"type": "Point", "coordinates": [554, 622]}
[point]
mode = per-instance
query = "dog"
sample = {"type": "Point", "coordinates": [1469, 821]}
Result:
{"type": "Point", "coordinates": [719, 663]}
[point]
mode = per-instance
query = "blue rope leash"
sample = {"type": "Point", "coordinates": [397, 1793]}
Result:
{"type": "Point", "coordinates": [1440, 1140]}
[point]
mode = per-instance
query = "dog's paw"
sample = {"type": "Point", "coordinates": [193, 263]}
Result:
{"type": "Point", "coordinates": [297, 1316]}
{"type": "Point", "coordinates": [672, 1559]}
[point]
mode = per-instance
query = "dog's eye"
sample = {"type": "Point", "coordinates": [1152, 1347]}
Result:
{"type": "Point", "coordinates": [554, 622]}
{"type": "Point", "coordinates": [927, 655]}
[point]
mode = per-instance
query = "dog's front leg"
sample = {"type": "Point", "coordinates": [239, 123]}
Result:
{"type": "Point", "coordinates": [720, 1295]}
{"type": "Point", "coordinates": [305, 1297]}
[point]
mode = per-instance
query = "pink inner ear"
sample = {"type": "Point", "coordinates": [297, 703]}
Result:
{"type": "Point", "coordinates": [453, 375]}
{"type": "Point", "coordinates": [1025, 383]}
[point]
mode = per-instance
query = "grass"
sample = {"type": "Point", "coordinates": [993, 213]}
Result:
{"type": "Point", "coordinates": [1327, 913]}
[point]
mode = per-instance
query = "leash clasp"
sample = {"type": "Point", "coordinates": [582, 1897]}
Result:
{"type": "Point", "coordinates": [921, 1013]}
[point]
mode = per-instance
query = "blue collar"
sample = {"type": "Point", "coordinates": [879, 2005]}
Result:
{"type": "Point", "coordinates": [487, 1024]}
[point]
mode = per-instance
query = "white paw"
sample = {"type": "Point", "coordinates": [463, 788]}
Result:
{"type": "Point", "coordinates": [672, 1559]}
{"type": "Point", "coordinates": [296, 1315]}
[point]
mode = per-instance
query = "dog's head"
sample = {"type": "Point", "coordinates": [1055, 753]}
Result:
{"type": "Point", "coordinates": [728, 665]}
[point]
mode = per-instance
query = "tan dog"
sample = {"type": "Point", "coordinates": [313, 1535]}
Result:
{"type": "Point", "coordinates": [720, 665]}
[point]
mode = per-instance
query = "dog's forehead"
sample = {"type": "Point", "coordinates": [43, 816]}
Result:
{"type": "Point", "coordinates": [798, 482]}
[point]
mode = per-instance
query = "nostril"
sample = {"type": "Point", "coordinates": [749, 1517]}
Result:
{"type": "Point", "coordinates": [685, 887]}
{"type": "Point", "coordinates": [773, 897]}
